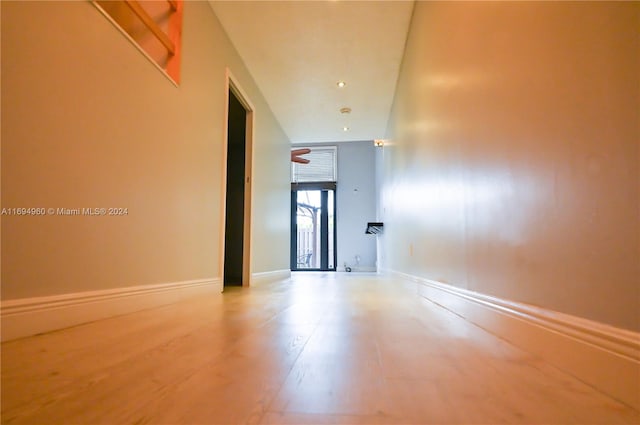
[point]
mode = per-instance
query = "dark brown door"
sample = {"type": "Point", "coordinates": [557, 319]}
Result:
{"type": "Point", "coordinates": [234, 223]}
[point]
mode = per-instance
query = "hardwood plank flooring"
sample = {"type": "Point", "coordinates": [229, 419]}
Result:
{"type": "Point", "coordinates": [319, 348]}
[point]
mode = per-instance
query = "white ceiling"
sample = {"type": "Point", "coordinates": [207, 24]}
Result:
{"type": "Point", "coordinates": [297, 51]}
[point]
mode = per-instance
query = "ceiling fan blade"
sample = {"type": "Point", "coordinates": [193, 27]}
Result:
{"type": "Point", "coordinates": [296, 152]}
{"type": "Point", "coordinates": [296, 158]}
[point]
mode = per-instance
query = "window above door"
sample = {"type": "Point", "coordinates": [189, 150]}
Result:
{"type": "Point", "coordinates": [322, 166]}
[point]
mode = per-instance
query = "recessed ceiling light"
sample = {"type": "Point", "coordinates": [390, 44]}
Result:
{"type": "Point", "coordinates": [341, 84]}
{"type": "Point", "coordinates": [345, 128]}
{"type": "Point", "coordinates": [345, 110]}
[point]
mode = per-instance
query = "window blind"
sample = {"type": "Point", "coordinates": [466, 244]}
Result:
{"type": "Point", "coordinates": [321, 168]}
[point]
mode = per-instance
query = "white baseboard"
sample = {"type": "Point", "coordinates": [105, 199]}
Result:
{"type": "Point", "coordinates": [31, 316]}
{"type": "Point", "coordinates": [271, 276]}
{"type": "Point", "coordinates": [603, 356]}
{"type": "Point", "coordinates": [360, 269]}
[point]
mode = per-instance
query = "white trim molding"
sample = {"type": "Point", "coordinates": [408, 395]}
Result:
{"type": "Point", "coordinates": [30, 316]}
{"type": "Point", "coordinates": [362, 269]}
{"type": "Point", "coordinates": [603, 356]}
{"type": "Point", "coordinates": [271, 276]}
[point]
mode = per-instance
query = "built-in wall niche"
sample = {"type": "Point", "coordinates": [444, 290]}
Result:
{"type": "Point", "coordinates": [153, 26]}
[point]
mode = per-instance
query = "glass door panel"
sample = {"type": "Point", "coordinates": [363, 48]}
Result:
{"type": "Point", "coordinates": [313, 229]}
{"type": "Point", "coordinates": [308, 214]}
{"type": "Point", "coordinates": [331, 229]}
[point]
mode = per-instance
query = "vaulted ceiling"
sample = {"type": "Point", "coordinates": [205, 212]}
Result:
{"type": "Point", "coordinates": [297, 52]}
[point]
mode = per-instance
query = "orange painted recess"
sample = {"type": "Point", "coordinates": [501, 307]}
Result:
{"type": "Point", "coordinates": [165, 27]}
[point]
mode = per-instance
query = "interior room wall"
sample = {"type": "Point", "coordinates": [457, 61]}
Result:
{"type": "Point", "coordinates": [355, 204]}
{"type": "Point", "coordinates": [89, 122]}
{"type": "Point", "coordinates": [512, 166]}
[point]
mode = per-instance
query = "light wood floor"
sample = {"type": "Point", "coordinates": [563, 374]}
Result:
{"type": "Point", "coordinates": [318, 349]}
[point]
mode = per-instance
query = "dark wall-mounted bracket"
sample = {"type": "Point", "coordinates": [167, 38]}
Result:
{"type": "Point", "coordinates": [374, 228]}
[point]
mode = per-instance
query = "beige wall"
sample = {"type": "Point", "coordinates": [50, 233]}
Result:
{"type": "Point", "coordinates": [89, 122]}
{"type": "Point", "coordinates": [513, 167]}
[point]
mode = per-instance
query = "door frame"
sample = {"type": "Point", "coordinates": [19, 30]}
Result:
{"type": "Point", "coordinates": [231, 84]}
{"type": "Point", "coordinates": [323, 186]}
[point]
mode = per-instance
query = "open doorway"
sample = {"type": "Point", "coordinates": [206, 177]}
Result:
{"type": "Point", "coordinates": [237, 214]}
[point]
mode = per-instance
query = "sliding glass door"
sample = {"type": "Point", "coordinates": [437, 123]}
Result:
{"type": "Point", "coordinates": [313, 231]}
